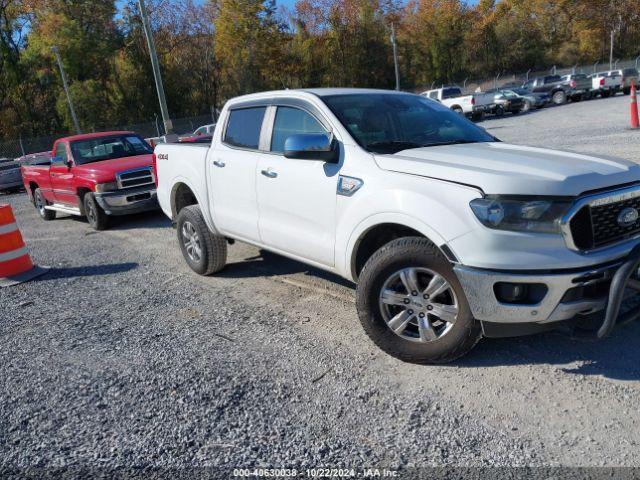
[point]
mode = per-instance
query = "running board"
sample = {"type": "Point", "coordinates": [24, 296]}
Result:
{"type": "Point", "coordinates": [63, 209]}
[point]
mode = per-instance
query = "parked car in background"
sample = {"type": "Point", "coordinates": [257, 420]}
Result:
{"type": "Point", "coordinates": [10, 176]}
{"type": "Point", "coordinates": [604, 84]}
{"type": "Point", "coordinates": [449, 234]}
{"type": "Point", "coordinates": [94, 175]}
{"type": "Point", "coordinates": [560, 90]}
{"type": "Point", "coordinates": [40, 158]}
{"type": "Point", "coordinates": [532, 100]}
{"type": "Point", "coordinates": [628, 76]}
{"type": "Point", "coordinates": [581, 84]}
{"type": "Point", "coordinates": [473, 106]}
{"type": "Point", "coordinates": [505, 101]}
{"type": "Point", "coordinates": [201, 134]}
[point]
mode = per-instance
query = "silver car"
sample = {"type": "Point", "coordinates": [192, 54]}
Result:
{"type": "Point", "coordinates": [10, 175]}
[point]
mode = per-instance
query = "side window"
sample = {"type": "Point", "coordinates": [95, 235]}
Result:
{"type": "Point", "coordinates": [61, 151]}
{"type": "Point", "coordinates": [244, 126]}
{"type": "Point", "coordinates": [292, 121]}
{"type": "Point", "coordinates": [433, 95]}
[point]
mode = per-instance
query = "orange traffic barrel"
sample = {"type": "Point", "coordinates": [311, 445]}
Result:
{"type": "Point", "coordinates": [15, 262]}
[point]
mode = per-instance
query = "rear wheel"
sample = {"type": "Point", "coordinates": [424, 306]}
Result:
{"type": "Point", "coordinates": [40, 204]}
{"type": "Point", "coordinates": [412, 306]}
{"type": "Point", "coordinates": [559, 97]}
{"type": "Point", "coordinates": [204, 252]}
{"type": "Point", "coordinates": [96, 217]}
{"type": "Point", "coordinates": [499, 111]}
{"type": "Point", "coordinates": [458, 110]}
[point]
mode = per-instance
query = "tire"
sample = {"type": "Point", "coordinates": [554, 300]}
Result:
{"type": "Point", "coordinates": [559, 97]}
{"type": "Point", "coordinates": [499, 111]}
{"type": "Point", "coordinates": [606, 94]}
{"type": "Point", "coordinates": [458, 110]}
{"type": "Point", "coordinates": [446, 341]}
{"type": "Point", "coordinates": [98, 220]}
{"type": "Point", "coordinates": [39, 202]}
{"type": "Point", "coordinates": [526, 107]}
{"type": "Point", "coordinates": [477, 116]}
{"type": "Point", "coordinates": [204, 252]}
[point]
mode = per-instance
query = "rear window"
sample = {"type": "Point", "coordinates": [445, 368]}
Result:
{"type": "Point", "coordinates": [244, 126]}
{"type": "Point", "coordinates": [451, 92]}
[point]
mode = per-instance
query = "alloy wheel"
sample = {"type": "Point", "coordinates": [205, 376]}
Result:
{"type": "Point", "coordinates": [191, 241]}
{"type": "Point", "coordinates": [418, 304]}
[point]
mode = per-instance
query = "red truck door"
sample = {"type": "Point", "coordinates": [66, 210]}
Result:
{"type": "Point", "coordinates": [62, 176]}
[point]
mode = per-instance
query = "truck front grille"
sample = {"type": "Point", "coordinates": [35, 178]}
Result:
{"type": "Point", "coordinates": [10, 166]}
{"type": "Point", "coordinates": [597, 224]}
{"type": "Point", "coordinates": [135, 178]}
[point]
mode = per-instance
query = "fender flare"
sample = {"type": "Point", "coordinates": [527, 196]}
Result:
{"type": "Point", "coordinates": [203, 205]}
{"type": "Point", "coordinates": [380, 218]}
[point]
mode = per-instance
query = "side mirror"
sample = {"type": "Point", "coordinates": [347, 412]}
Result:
{"type": "Point", "coordinates": [311, 146]}
{"type": "Point", "coordinates": [69, 163]}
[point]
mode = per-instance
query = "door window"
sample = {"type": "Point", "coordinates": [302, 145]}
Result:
{"type": "Point", "coordinates": [244, 126]}
{"type": "Point", "coordinates": [292, 121]}
{"type": "Point", "coordinates": [61, 152]}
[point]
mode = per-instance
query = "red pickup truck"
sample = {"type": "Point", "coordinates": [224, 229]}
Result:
{"type": "Point", "coordinates": [94, 175]}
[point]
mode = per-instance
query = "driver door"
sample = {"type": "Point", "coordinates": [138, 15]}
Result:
{"type": "Point", "coordinates": [62, 177]}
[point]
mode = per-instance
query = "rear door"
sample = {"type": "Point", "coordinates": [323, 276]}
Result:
{"type": "Point", "coordinates": [62, 176]}
{"type": "Point", "coordinates": [233, 164]}
{"type": "Point", "coordinates": [297, 198]}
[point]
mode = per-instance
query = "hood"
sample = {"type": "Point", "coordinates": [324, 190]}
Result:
{"type": "Point", "coordinates": [500, 168]}
{"type": "Point", "coordinates": [105, 171]}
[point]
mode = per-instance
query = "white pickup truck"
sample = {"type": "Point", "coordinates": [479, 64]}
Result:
{"type": "Point", "coordinates": [449, 233]}
{"type": "Point", "coordinates": [606, 84]}
{"type": "Point", "coordinates": [473, 106]}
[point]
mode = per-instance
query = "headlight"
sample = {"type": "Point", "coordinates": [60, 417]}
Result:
{"type": "Point", "coordinates": [106, 187]}
{"type": "Point", "coordinates": [517, 215]}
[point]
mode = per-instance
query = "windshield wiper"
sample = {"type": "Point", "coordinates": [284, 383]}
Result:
{"type": "Point", "coordinates": [451, 142]}
{"type": "Point", "coordinates": [393, 146]}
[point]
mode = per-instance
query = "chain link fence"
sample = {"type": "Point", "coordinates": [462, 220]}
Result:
{"type": "Point", "coordinates": [25, 146]}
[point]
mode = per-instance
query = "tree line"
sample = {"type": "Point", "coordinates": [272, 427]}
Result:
{"type": "Point", "coordinates": [214, 50]}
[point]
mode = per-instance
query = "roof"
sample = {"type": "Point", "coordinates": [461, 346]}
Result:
{"type": "Point", "coordinates": [310, 92]}
{"type": "Point", "coordinates": [89, 136]}
{"type": "Point", "coordinates": [325, 92]}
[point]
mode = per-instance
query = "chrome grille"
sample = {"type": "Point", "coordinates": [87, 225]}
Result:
{"type": "Point", "coordinates": [135, 178]}
{"type": "Point", "coordinates": [593, 222]}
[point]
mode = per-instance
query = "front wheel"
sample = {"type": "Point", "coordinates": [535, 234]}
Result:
{"type": "Point", "coordinates": [40, 204]}
{"type": "Point", "coordinates": [526, 106]}
{"type": "Point", "coordinates": [96, 217]}
{"type": "Point", "coordinates": [412, 305]}
{"type": "Point", "coordinates": [204, 252]}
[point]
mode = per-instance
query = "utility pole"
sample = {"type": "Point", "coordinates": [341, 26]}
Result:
{"type": "Point", "coordinates": [65, 84]}
{"type": "Point", "coordinates": [168, 125]}
{"type": "Point", "coordinates": [395, 55]}
{"type": "Point", "coordinates": [611, 51]}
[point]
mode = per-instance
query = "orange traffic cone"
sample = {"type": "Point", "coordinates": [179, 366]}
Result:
{"type": "Point", "coordinates": [635, 121]}
{"type": "Point", "coordinates": [15, 262]}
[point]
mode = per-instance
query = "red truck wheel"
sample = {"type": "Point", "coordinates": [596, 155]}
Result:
{"type": "Point", "coordinates": [40, 204]}
{"type": "Point", "coordinates": [95, 215]}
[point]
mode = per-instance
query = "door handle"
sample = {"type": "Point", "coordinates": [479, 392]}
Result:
{"type": "Point", "coordinates": [220, 164]}
{"type": "Point", "coordinates": [269, 173]}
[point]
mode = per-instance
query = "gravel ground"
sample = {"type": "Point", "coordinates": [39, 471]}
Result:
{"type": "Point", "coordinates": [121, 358]}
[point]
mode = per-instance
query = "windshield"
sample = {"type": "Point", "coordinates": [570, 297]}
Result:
{"type": "Point", "coordinates": [389, 123]}
{"type": "Point", "coordinates": [108, 148]}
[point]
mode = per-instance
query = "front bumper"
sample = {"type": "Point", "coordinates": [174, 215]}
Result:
{"type": "Point", "coordinates": [569, 294]}
{"type": "Point", "coordinates": [128, 201]}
